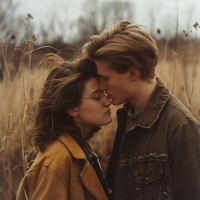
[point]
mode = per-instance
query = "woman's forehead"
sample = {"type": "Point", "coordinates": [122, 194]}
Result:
{"type": "Point", "coordinates": [91, 87]}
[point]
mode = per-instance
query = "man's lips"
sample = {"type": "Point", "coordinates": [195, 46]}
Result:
{"type": "Point", "coordinates": [109, 96]}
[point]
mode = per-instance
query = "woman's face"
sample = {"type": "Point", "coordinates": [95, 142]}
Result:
{"type": "Point", "coordinates": [94, 109]}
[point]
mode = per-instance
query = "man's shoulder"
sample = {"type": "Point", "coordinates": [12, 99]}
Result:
{"type": "Point", "coordinates": [178, 112]}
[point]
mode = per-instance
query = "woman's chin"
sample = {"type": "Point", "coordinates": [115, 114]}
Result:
{"type": "Point", "coordinates": [106, 122]}
{"type": "Point", "coordinates": [109, 121]}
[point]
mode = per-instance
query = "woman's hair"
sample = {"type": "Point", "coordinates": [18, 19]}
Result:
{"type": "Point", "coordinates": [63, 89]}
{"type": "Point", "coordinates": [124, 45]}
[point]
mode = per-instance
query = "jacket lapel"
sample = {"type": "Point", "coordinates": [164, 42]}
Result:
{"type": "Point", "coordinates": [91, 182]}
{"type": "Point", "coordinates": [88, 175]}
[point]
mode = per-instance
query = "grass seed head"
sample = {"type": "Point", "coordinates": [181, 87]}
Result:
{"type": "Point", "coordinates": [17, 47]}
{"type": "Point", "coordinates": [185, 33]}
{"type": "Point", "coordinates": [29, 16]}
{"type": "Point", "coordinates": [168, 38]}
{"type": "Point", "coordinates": [33, 38]}
{"type": "Point", "coordinates": [1, 42]}
{"type": "Point", "coordinates": [174, 54]}
{"type": "Point", "coordinates": [23, 44]}
{"type": "Point", "coordinates": [27, 42]}
{"type": "Point", "coordinates": [196, 25]}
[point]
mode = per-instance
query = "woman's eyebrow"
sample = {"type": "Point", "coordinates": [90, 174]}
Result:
{"type": "Point", "coordinates": [95, 91]}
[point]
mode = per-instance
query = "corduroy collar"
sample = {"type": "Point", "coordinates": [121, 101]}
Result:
{"type": "Point", "coordinates": [74, 147]}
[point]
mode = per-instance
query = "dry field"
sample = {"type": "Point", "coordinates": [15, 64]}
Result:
{"type": "Point", "coordinates": [20, 89]}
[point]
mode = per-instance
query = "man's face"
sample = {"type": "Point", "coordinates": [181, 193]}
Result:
{"type": "Point", "coordinates": [115, 85]}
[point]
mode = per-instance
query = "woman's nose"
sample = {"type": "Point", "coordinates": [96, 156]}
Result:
{"type": "Point", "coordinates": [107, 101]}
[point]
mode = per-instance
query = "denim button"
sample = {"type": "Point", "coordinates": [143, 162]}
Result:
{"type": "Point", "coordinates": [136, 173]}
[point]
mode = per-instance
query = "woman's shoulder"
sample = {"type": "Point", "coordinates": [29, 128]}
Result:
{"type": "Point", "coordinates": [60, 152]}
{"type": "Point", "coordinates": [55, 153]}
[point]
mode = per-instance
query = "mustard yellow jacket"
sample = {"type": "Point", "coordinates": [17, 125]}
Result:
{"type": "Point", "coordinates": [61, 172]}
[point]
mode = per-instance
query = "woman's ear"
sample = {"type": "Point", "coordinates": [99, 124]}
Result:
{"type": "Point", "coordinates": [133, 72]}
{"type": "Point", "coordinates": [72, 112]}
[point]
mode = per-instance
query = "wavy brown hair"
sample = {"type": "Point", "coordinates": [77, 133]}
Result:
{"type": "Point", "coordinates": [62, 90]}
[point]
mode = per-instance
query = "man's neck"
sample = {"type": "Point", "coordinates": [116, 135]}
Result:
{"type": "Point", "coordinates": [143, 94]}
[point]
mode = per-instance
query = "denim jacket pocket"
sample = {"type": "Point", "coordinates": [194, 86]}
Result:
{"type": "Point", "coordinates": [147, 177]}
{"type": "Point", "coordinates": [147, 172]}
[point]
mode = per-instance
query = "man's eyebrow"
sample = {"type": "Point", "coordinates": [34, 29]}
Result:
{"type": "Point", "coordinates": [101, 76]}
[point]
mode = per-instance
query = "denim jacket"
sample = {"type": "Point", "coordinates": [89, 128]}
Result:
{"type": "Point", "coordinates": [160, 154]}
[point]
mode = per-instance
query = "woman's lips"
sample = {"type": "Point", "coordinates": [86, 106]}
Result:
{"type": "Point", "coordinates": [108, 112]}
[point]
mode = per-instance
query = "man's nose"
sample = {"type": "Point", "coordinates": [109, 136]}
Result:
{"type": "Point", "coordinates": [103, 84]}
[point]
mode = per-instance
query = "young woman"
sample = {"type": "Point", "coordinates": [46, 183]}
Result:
{"type": "Point", "coordinates": [70, 110]}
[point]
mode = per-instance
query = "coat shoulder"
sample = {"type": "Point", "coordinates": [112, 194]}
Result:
{"type": "Point", "coordinates": [56, 157]}
{"type": "Point", "coordinates": [178, 112]}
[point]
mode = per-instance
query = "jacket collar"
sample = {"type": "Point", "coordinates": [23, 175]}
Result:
{"type": "Point", "coordinates": [88, 176]}
{"type": "Point", "coordinates": [154, 107]}
{"type": "Point", "coordinates": [72, 145]}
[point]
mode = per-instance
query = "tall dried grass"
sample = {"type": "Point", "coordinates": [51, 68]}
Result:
{"type": "Point", "coordinates": [19, 93]}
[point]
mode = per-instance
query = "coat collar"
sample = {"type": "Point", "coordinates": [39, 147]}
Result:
{"type": "Point", "coordinates": [154, 107]}
{"type": "Point", "coordinates": [88, 175]}
{"type": "Point", "coordinates": [72, 145]}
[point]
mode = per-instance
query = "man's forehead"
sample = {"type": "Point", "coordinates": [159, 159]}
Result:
{"type": "Point", "coordinates": [103, 66]}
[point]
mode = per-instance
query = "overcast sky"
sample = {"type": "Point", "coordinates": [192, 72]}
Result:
{"type": "Point", "coordinates": [164, 12]}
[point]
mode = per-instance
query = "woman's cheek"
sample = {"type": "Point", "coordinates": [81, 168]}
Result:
{"type": "Point", "coordinates": [95, 105]}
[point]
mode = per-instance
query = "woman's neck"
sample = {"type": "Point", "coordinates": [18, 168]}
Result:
{"type": "Point", "coordinates": [85, 130]}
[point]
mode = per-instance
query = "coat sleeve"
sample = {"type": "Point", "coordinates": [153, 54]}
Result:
{"type": "Point", "coordinates": [48, 186]}
{"type": "Point", "coordinates": [184, 154]}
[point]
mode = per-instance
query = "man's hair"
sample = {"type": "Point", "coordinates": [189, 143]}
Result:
{"type": "Point", "coordinates": [125, 45]}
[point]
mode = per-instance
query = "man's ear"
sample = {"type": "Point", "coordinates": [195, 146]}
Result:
{"type": "Point", "coordinates": [133, 72]}
{"type": "Point", "coordinates": [72, 112]}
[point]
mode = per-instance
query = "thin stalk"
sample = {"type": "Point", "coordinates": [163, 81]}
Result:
{"type": "Point", "coordinates": [176, 47]}
{"type": "Point", "coordinates": [43, 48]}
{"type": "Point", "coordinates": [5, 146]}
{"type": "Point", "coordinates": [183, 84]}
{"type": "Point", "coordinates": [24, 97]}
{"type": "Point", "coordinates": [194, 66]}
{"type": "Point", "coordinates": [164, 60]}
{"type": "Point", "coordinates": [173, 78]}
{"type": "Point", "coordinates": [6, 64]}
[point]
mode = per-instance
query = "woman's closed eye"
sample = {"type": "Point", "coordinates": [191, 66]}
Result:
{"type": "Point", "coordinates": [99, 95]}
{"type": "Point", "coordinates": [105, 78]}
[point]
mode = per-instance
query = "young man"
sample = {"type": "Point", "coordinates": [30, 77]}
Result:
{"type": "Point", "coordinates": [156, 152]}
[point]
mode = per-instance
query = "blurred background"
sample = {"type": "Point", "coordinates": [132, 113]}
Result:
{"type": "Point", "coordinates": [64, 26]}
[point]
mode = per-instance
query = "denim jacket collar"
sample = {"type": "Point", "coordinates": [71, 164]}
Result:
{"type": "Point", "coordinates": [154, 107]}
